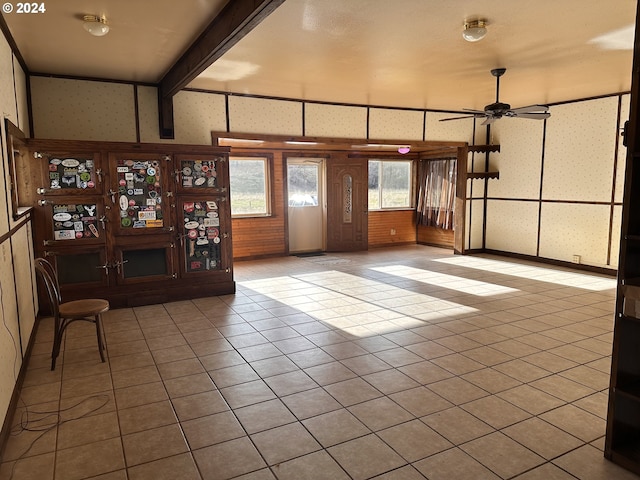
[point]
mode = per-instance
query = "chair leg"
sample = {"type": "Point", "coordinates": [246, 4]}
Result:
{"type": "Point", "coordinates": [99, 335]}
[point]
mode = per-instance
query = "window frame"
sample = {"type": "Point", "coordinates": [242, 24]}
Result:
{"type": "Point", "coordinates": [412, 183]}
{"type": "Point", "coordinates": [267, 158]}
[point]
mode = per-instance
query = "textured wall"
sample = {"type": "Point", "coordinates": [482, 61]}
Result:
{"type": "Point", "coordinates": [259, 115]}
{"type": "Point", "coordinates": [16, 286]}
{"type": "Point", "coordinates": [572, 155]}
{"type": "Point", "coordinates": [395, 124]}
{"type": "Point", "coordinates": [335, 121]}
{"type": "Point", "coordinates": [83, 110]}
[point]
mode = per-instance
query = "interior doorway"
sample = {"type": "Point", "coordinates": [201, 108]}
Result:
{"type": "Point", "coordinates": [306, 204]}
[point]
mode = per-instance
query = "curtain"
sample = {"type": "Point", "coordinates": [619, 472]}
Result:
{"type": "Point", "coordinates": [437, 191]}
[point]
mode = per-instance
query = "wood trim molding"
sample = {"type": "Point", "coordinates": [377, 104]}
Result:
{"type": "Point", "coordinates": [235, 20]}
{"type": "Point", "coordinates": [460, 209]}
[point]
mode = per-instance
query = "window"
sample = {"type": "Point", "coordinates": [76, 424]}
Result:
{"type": "Point", "coordinates": [249, 186]}
{"type": "Point", "coordinates": [302, 182]}
{"type": "Point", "coordinates": [390, 184]}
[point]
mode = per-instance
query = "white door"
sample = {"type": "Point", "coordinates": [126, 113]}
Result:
{"type": "Point", "coordinates": [305, 182]}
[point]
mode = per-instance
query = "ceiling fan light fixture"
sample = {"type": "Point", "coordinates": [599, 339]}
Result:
{"type": "Point", "coordinates": [474, 30]}
{"type": "Point", "coordinates": [96, 25]}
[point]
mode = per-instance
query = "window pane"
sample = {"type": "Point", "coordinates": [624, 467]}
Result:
{"type": "Point", "coordinates": [374, 185]}
{"type": "Point", "coordinates": [396, 184]}
{"type": "Point", "coordinates": [389, 184]}
{"type": "Point", "coordinates": [303, 185]}
{"type": "Point", "coordinates": [248, 186]}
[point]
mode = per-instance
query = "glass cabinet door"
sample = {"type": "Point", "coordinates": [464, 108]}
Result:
{"type": "Point", "coordinates": [81, 266]}
{"type": "Point", "coordinates": [144, 262]}
{"type": "Point", "coordinates": [201, 173]}
{"type": "Point", "coordinates": [74, 221]}
{"type": "Point", "coordinates": [202, 238]}
{"type": "Point", "coordinates": [71, 174]}
{"type": "Point", "coordinates": [138, 193]}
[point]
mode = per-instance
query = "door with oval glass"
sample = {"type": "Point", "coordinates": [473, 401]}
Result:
{"type": "Point", "coordinates": [306, 204]}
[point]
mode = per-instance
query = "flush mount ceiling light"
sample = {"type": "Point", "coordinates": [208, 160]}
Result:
{"type": "Point", "coordinates": [474, 30]}
{"type": "Point", "coordinates": [96, 25]}
{"type": "Point", "coordinates": [404, 149]}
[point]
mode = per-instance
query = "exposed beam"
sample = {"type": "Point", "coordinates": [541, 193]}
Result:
{"type": "Point", "coordinates": [236, 19]}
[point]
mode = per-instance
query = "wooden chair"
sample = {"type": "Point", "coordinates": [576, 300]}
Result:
{"type": "Point", "coordinates": [65, 313]}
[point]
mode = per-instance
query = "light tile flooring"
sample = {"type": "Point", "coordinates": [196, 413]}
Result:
{"type": "Point", "coordinates": [397, 364]}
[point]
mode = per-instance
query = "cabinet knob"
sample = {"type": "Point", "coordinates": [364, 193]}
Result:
{"type": "Point", "coordinates": [41, 190]}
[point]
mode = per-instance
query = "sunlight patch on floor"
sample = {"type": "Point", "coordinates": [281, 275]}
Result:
{"type": "Point", "coordinates": [356, 305]}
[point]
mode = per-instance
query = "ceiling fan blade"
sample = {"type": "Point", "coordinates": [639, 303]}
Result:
{"type": "Point", "coordinates": [489, 120]}
{"type": "Point", "coordinates": [535, 116]}
{"type": "Point", "coordinates": [456, 118]}
{"type": "Point", "coordinates": [530, 108]}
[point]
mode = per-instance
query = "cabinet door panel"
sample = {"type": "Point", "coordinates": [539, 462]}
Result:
{"type": "Point", "coordinates": [74, 221]}
{"type": "Point", "coordinates": [202, 234]}
{"type": "Point", "coordinates": [140, 193]}
{"type": "Point", "coordinates": [71, 173]}
{"type": "Point", "coordinates": [199, 174]}
{"type": "Point", "coordinates": [144, 262]}
{"type": "Point", "coordinates": [81, 266]}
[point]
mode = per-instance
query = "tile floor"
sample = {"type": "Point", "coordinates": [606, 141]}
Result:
{"type": "Point", "coordinates": [397, 364]}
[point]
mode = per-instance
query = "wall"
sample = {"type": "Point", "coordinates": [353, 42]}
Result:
{"type": "Point", "coordinates": [560, 183]}
{"type": "Point", "coordinates": [17, 310]}
{"type": "Point", "coordinates": [557, 188]}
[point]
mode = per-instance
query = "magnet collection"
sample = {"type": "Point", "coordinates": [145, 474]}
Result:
{"type": "Point", "coordinates": [71, 173]}
{"type": "Point", "coordinates": [201, 236]}
{"type": "Point", "coordinates": [199, 173]}
{"type": "Point", "coordinates": [74, 222]}
{"type": "Point", "coordinates": [139, 194]}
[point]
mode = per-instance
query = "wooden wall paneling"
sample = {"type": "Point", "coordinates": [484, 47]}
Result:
{"type": "Point", "coordinates": [434, 236]}
{"type": "Point", "coordinates": [394, 227]}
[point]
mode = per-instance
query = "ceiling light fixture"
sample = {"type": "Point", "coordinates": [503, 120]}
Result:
{"type": "Point", "coordinates": [474, 30]}
{"type": "Point", "coordinates": [404, 150]}
{"type": "Point", "coordinates": [96, 25]}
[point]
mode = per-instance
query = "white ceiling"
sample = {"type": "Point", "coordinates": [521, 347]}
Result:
{"type": "Point", "coordinates": [404, 53]}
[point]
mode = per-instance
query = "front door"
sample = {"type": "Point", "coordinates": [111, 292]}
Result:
{"type": "Point", "coordinates": [305, 187]}
{"type": "Point", "coordinates": [347, 204]}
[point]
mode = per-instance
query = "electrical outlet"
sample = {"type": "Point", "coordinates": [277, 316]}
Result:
{"type": "Point", "coordinates": [576, 259]}
{"type": "Point", "coordinates": [393, 231]}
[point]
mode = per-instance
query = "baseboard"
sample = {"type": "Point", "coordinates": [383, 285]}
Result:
{"type": "Point", "coordinates": [550, 261]}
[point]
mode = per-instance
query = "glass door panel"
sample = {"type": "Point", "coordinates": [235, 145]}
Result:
{"type": "Point", "coordinates": [200, 174]}
{"type": "Point", "coordinates": [150, 261]}
{"type": "Point", "coordinates": [200, 235]}
{"type": "Point", "coordinates": [71, 174]}
{"type": "Point", "coordinates": [70, 221]}
{"type": "Point", "coordinates": [139, 193]}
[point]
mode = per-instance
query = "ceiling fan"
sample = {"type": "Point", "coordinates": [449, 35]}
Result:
{"type": "Point", "coordinates": [497, 110]}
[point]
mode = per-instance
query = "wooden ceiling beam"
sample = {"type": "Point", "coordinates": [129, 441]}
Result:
{"type": "Point", "coordinates": [235, 20]}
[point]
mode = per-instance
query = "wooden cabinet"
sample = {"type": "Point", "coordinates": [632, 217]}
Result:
{"type": "Point", "coordinates": [133, 223]}
{"type": "Point", "coordinates": [622, 444]}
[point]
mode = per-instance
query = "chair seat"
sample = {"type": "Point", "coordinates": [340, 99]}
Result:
{"type": "Point", "coordinates": [83, 308]}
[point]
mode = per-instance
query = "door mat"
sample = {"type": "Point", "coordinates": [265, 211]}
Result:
{"type": "Point", "coordinates": [309, 254]}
